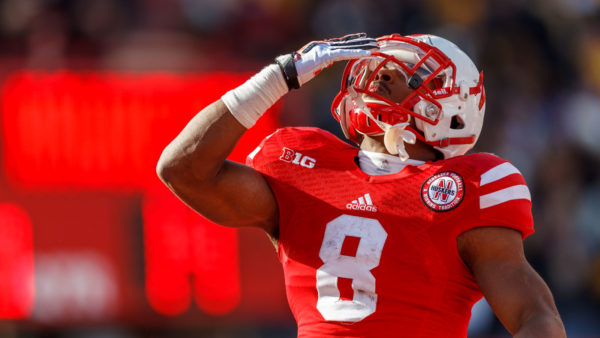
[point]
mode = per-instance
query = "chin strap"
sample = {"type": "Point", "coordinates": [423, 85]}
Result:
{"type": "Point", "coordinates": [445, 142]}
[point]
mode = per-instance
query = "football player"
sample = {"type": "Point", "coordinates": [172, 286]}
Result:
{"type": "Point", "coordinates": [399, 236]}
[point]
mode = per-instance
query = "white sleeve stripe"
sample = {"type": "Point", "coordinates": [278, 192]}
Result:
{"type": "Point", "coordinates": [498, 172]}
{"type": "Point", "coordinates": [516, 192]}
{"type": "Point", "coordinates": [253, 153]}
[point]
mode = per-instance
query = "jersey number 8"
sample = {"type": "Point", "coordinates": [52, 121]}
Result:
{"type": "Point", "coordinates": [357, 268]}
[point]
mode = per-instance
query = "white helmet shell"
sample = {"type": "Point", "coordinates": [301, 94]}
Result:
{"type": "Point", "coordinates": [461, 109]}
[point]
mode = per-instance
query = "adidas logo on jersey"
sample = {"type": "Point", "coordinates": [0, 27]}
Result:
{"type": "Point", "coordinates": [363, 203]}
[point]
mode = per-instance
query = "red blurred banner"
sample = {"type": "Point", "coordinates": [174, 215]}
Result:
{"type": "Point", "coordinates": [66, 130]}
{"type": "Point", "coordinates": [16, 263]}
{"type": "Point", "coordinates": [82, 137]}
{"type": "Point", "coordinates": [179, 246]}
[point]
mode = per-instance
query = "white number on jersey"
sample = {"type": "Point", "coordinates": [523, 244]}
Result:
{"type": "Point", "coordinates": [358, 268]}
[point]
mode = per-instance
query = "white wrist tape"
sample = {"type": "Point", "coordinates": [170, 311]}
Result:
{"type": "Point", "coordinates": [248, 102]}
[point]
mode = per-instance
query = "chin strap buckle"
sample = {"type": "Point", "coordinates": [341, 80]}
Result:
{"type": "Point", "coordinates": [443, 143]}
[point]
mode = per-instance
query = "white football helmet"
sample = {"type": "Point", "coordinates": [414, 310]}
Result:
{"type": "Point", "coordinates": [447, 99]}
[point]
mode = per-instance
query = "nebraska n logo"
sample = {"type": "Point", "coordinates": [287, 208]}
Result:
{"type": "Point", "coordinates": [363, 203]}
{"type": "Point", "coordinates": [443, 191]}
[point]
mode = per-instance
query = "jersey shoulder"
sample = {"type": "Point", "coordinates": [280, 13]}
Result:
{"type": "Point", "coordinates": [479, 163]}
{"type": "Point", "coordinates": [481, 168]}
{"type": "Point", "coordinates": [289, 141]}
{"type": "Point", "coordinates": [306, 137]}
{"type": "Point", "coordinates": [498, 189]}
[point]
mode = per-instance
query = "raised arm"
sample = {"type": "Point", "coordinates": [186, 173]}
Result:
{"type": "Point", "coordinates": [516, 293]}
{"type": "Point", "coordinates": [194, 164]}
{"type": "Point", "coordinates": [195, 168]}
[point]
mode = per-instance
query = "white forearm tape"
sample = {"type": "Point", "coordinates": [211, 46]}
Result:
{"type": "Point", "coordinates": [248, 102]}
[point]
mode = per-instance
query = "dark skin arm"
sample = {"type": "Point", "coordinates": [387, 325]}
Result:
{"type": "Point", "coordinates": [195, 168]}
{"type": "Point", "coordinates": [194, 164]}
{"type": "Point", "coordinates": [517, 294]}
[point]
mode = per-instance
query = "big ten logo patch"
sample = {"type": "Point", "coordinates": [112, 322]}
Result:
{"type": "Point", "coordinates": [295, 157]}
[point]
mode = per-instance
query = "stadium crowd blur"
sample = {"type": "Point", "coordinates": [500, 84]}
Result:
{"type": "Point", "coordinates": [541, 61]}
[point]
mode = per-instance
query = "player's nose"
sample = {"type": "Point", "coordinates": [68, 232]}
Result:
{"type": "Point", "coordinates": [385, 74]}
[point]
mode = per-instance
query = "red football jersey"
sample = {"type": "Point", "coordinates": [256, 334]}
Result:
{"type": "Point", "coordinates": [376, 256]}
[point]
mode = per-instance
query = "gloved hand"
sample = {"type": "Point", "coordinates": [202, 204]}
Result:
{"type": "Point", "coordinates": [301, 66]}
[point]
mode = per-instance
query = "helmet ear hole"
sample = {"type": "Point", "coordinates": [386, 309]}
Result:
{"type": "Point", "coordinates": [457, 122]}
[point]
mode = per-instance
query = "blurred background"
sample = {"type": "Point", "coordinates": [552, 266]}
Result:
{"type": "Point", "coordinates": [92, 245]}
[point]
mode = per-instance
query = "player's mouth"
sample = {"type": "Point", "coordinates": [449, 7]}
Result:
{"type": "Point", "coordinates": [380, 88]}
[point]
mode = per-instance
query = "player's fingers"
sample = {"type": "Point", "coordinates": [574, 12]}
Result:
{"type": "Point", "coordinates": [348, 54]}
{"type": "Point", "coordinates": [355, 43]}
{"type": "Point", "coordinates": [348, 37]}
{"type": "Point", "coordinates": [310, 46]}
